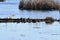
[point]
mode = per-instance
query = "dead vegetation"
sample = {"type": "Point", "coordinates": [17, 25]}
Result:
{"type": "Point", "coordinates": [39, 5]}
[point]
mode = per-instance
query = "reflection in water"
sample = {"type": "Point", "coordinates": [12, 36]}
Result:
{"type": "Point", "coordinates": [22, 35]}
{"type": "Point", "coordinates": [36, 27]}
{"type": "Point", "coordinates": [27, 30]}
{"type": "Point", "coordinates": [55, 34]}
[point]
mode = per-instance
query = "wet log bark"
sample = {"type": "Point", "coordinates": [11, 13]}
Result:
{"type": "Point", "coordinates": [29, 20]}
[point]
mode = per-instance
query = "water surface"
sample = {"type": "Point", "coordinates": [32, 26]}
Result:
{"type": "Point", "coordinates": [27, 31]}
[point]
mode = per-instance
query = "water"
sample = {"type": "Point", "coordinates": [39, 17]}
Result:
{"type": "Point", "coordinates": [27, 31]}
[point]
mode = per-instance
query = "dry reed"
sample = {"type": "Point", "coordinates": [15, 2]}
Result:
{"type": "Point", "coordinates": [39, 5]}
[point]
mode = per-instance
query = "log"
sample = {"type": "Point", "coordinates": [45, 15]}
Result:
{"type": "Point", "coordinates": [29, 20]}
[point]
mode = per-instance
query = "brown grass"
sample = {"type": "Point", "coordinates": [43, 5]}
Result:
{"type": "Point", "coordinates": [39, 5]}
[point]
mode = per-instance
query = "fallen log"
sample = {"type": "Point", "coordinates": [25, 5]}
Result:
{"type": "Point", "coordinates": [29, 20]}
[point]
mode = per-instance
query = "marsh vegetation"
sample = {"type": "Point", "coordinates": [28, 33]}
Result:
{"type": "Point", "coordinates": [39, 5]}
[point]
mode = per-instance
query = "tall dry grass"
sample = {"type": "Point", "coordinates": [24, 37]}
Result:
{"type": "Point", "coordinates": [38, 4]}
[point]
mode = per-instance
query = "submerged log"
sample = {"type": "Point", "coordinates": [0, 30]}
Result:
{"type": "Point", "coordinates": [47, 20]}
{"type": "Point", "coordinates": [39, 5]}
